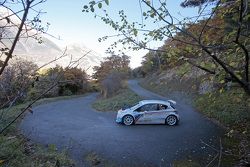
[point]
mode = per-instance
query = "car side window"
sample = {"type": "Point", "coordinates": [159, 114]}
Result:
{"type": "Point", "coordinates": [147, 107]}
{"type": "Point", "coordinates": [142, 108]}
{"type": "Point", "coordinates": [162, 107]}
{"type": "Point", "coordinates": [153, 107]}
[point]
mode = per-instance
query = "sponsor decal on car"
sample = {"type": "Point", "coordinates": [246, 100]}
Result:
{"type": "Point", "coordinates": [138, 116]}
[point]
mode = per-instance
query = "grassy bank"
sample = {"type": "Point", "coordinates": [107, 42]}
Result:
{"type": "Point", "coordinates": [170, 89]}
{"type": "Point", "coordinates": [16, 150]}
{"type": "Point", "coordinates": [231, 108]}
{"type": "Point", "coordinates": [125, 97]}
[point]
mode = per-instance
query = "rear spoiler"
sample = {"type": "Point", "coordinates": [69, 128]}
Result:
{"type": "Point", "coordinates": [172, 101]}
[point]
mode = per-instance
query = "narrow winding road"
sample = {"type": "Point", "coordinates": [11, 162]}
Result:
{"type": "Point", "coordinates": [75, 126]}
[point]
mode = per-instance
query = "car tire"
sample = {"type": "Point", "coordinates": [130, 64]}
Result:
{"type": "Point", "coordinates": [127, 120]}
{"type": "Point", "coordinates": [171, 120]}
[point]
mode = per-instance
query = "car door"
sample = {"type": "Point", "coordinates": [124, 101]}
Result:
{"type": "Point", "coordinates": [161, 113]}
{"type": "Point", "coordinates": [147, 114]}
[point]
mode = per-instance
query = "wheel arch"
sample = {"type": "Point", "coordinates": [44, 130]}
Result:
{"type": "Point", "coordinates": [128, 115]}
{"type": "Point", "coordinates": [177, 120]}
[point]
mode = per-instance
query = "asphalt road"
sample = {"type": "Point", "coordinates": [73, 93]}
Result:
{"type": "Point", "coordinates": [75, 126]}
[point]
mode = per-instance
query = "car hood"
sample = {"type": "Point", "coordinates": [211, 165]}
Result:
{"type": "Point", "coordinates": [124, 111]}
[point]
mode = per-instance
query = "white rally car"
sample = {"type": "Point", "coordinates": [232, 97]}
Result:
{"type": "Point", "coordinates": [149, 112]}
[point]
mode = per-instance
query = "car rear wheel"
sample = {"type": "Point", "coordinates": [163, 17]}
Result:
{"type": "Point", "coordinates": [128, 120]}
{"type": "Point", "coordinates": [171, 120]}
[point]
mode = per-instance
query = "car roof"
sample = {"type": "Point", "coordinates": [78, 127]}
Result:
{"type": "Point", "coordinates": [154, 102]}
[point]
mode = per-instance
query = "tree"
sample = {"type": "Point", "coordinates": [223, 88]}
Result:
{"type": "Point", "coordinates": [152, 62]}
{"type": "Point", "coordinates": [75, 80]}
{"type": "Point", "coordinates": [221, 39]}
{"type": "Point", "coordinates": [70, 80]}
{"type": "Point", "coordinates": [15, 80]}
{"type": "Point", "coordinates": [111, 74]}
{"type": "Point", "coordinates": [23, 26]}
{"type": "Point", "coordinates": [47, 79]}
{"type": "Point", "coordinates": [112, 83]}
{"type": "Point", "coordinates": [111, 64]}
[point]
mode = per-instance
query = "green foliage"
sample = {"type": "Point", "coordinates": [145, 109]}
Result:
{"type": "Point", "coordinates": [124, 97]}
{"type": "Point", "coordinates": [21, 82]}
{"type": "Point", "coordinates": [66, 81]}
{"type": "Point", "coordinates": [16, 151]}
{"type": "Point", "coordinates": [67, 92]}
{"type": "Point", "coordinates": [94, 159]}
{"type": "Point", "coordinates": [9, 114]}
{"type": "Point", "coordinates": [113, 63]}
{"type": "Point", "coordinates": [138, 72]}
{"type": "Point", "coordinates": [172, 83]}
{"type": "Point", "coordinates": [112, 73]}
{"type": "Point", "coordinates": [113, 83]}
{"type": "Point", "coordinates": [75, 80]}
{"type": "Point", "coordinates": [92, 4]}
{"type": "Point", "coordinates": [230, 107]}
{"type": "Point", "coordinates": [151, 62]}
{"type": "Point", "coordinates": [94, 86]}
{"type": "Point", "coordinates": [15, 80]}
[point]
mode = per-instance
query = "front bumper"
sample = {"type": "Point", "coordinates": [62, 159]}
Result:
{"type": "Point", "coordinates": [118, 120]}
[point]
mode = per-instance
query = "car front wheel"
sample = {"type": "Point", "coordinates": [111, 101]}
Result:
{"type": "Point", "coordinates": [171, 120]}
{"type": "Point", "coordinates": [128, 120]}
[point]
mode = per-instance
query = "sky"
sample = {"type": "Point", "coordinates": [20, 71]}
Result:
{"type": "Point", "coordinates": [75, 27]}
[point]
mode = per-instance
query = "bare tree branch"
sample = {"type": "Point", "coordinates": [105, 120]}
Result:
{"type": "Point", "coordinates": [9, 55]}
{"type": "Point", "coordinates": [220, 154]}
{"type": "Point", "coordinates": [215, 157]}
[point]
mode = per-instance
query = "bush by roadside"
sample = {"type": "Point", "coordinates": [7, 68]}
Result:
{"type": "Point", "coordinates": [17, 151]}
{"type": "Point", "coordinates": [231, 108]}
{"type": "Point", "coordinates": [124, 97]}
{"type": "Point", "coordinates": [112, 83]}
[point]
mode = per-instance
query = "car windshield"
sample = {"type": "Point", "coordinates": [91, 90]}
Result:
{"type": "Point", "coordinates": [135, 106]}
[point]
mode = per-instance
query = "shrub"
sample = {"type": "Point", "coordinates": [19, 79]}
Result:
{"type": "Point", "coordinates": [124, 97]}
{"type": "Point", "coordinates": [112, 84]}
{"type": "Point", "coordinates": [16, 80]}
{"type": "Point", "coordinates": [67, 92]}
{"type": "Point", "coordinates": [229, 107]}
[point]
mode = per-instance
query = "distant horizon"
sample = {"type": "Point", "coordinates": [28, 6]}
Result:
{"type": "Point", "coordinates": [68, 22]}
{"type": "Point", "coordinates": [84, 29]}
